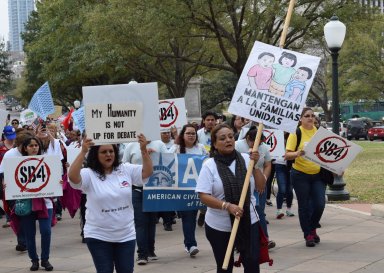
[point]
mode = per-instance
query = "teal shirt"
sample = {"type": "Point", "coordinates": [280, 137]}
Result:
{"type": "Point", "coordinates": [282, 75]}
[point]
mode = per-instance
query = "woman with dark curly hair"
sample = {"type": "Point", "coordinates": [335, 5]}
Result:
{"type": "Point", "coordinates": [108, 185]}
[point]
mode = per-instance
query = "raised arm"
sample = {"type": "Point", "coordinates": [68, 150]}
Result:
{"type": "Point", "coordinates": [74, 170]}
{"type": "Point", "coordinates": [147, 161]}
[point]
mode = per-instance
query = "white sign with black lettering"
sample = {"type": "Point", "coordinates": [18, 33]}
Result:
{"type": "Point", "coordinates": [124, 100]}
{"type": "Point", "coordinates": [273, 86]}
{"type": "Point", "coordinates": [172, 113]}
{"type": "Point", "coordinates": [113, 122]}
{"type": "Point", "coordinates": [274, 139]}
{"type": "Point", "coordinates": [331, 151]}
{"type": "Point", "coordinates": [32, 177]}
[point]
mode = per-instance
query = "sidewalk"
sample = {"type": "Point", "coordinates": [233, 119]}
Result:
{"type": "Point", "coordinates": [351, 241]}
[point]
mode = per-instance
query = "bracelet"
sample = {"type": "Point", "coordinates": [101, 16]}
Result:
{"type": "Point", "coordinates": [227, 204]}
{"type": "Point", "coordinates": [222, 205]}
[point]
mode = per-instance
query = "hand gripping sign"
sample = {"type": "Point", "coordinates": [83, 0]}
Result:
{"type": "Point", "coordinates": [331, 151]}
{"type": "Point", "coordinates": [32, 177]}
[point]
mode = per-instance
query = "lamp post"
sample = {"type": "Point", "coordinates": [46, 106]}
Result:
{"type": "Point", "coordinates": [334, 32]}
{"type": "Point", "coordinates": [77, 104]}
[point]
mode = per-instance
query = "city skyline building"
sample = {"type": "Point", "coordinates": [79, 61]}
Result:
{"type": "Point", "coordinates": [18, 13]}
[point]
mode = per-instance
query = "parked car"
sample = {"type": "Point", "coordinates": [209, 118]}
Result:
{"type": "Point", "coordinates": [376, 132]}
{"type": "Point", "coordinates": [358, 128]}
{"type": "Point", "coordinates": [342, 128]}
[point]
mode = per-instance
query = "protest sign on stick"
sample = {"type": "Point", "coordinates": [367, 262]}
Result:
{"type": "Point", "coordinates": [172, 113]}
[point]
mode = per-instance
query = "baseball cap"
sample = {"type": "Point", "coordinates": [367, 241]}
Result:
{"type": "Point", "coordinates": [9, 132]}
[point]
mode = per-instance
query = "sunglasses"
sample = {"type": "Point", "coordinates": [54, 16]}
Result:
{"type": "Point", "coordinates": [15, 123]}
{"type": "Point", "coordinates": [309, 116]}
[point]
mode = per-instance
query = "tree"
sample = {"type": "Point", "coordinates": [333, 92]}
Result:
{"type": "Point", "coordinates": [5, 69]}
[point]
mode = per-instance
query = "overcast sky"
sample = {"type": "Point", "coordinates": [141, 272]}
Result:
{"type": "Point", "coordinates": [4, 19]}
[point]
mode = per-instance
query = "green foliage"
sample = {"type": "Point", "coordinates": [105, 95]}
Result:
{"type": "Point", "coordinates": [5, 70]}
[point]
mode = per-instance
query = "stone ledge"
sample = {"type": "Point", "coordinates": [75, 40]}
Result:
{"type": "Point", "coordinates": [377, 210]}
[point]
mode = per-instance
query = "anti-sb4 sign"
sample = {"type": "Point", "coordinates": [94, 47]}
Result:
{"type": "Point", "coordinates": [172, 113]}
{"type": "Point", "coordinates": [32, 177]}
{"type": "Point", "coordinates": [331, 151]}
{"type": "Point", "coordinates": [274, 139]}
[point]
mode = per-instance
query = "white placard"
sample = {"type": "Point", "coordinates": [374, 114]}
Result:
{"type": "Point", "coordinates": [3, 118]}
{"type": "Point", "coordinates": [113, 122]}
{"type": "Point", "coordinates": [273, 86]}
{"type": "Point", "coordinates": [144, 93]}
{"type": "Point", "coordinates": [172, 113]}
{"type": "Point", "coordinates": [27, 117]}
{"type": "Point", "coordinates": [32, 177]}
{"type": "Point", "coordinates": [274, 139]}
{"type": "Point", "coordinates": [72, 153]}
{"type": "Point", "coordinates": [331, 151]}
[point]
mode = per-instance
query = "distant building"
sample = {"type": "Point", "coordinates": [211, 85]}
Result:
{"type": "Point", "coordinates": [18, 13]}
{"type": "Point", "coordinates": [373, 4]}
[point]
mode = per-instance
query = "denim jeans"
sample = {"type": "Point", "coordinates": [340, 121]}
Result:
{"type": "Point", "coordinates": [29, 225]}
{"type": "Point", "coordinates": [219, 242]}
{"type": "Point", "coordinates": [145, 225]}
{"type": "Point", "coordinates": [260, 208]}
{"type": "Point", "coordinates": [284, 186]}
{"type": "Point", "coordinates": [107, 255]}
{"type": "Point", "coordinates": [188, 219]}
{"type": "Point", "coordinates": [309, 188]}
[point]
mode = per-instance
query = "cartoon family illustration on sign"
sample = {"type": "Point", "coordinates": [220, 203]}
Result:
{"type": "Point", "coordinates": [280, 79]}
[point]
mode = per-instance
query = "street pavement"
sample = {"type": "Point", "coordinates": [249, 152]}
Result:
{"type": "Point", "coordinates": [351, 241]}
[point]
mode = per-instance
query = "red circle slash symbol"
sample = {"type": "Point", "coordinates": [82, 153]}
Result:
{"type": "Point", "coordinates": [270, 140]}
{"type": "Point", "coordinates": [168, 113]}
{"type": "Point", "coordinates": [331, 149]}
{"type": "Point", "coordinates": [32, 174]}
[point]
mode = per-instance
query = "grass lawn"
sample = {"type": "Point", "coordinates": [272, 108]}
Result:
{"type": "Point", "coordinates": [365, 176]}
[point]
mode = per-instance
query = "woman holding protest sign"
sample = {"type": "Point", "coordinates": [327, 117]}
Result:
{"type": "Point", "coordinates": [109, 229]}
{"type": "Point", "coordinates": [42, 210]}
{"type": "Point", "coordinates": [306, 180]}
{"type": "Point", "coordinates": [219, 186]}
{"type": "Point", "coordinates": [188, 144]}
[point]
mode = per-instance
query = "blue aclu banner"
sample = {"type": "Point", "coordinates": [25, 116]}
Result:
{"type": "Point", "coordinates": [172, 184]}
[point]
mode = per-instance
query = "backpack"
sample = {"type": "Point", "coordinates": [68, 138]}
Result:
{"type": "Point", "coordinates": [298, 136]}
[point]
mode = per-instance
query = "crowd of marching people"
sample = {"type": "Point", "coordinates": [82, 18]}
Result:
{"type": "Point", "coordinates": [112, 176]}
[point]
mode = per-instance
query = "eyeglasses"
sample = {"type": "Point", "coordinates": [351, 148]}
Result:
{"type": "Point", "coordinates": [190, 134]}
{"type": "Point", "coordinates": [309, 116]}
{"type": "Point", "coordinates": [15, 122]}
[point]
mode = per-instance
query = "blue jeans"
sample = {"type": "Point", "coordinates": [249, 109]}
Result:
{"type": "Point", "coordinates": [107, 255]}
{"type": "Point", "coordinates": [145, 225]}
{"type": "Point", "coordinates": [284, 186]}
{"type": "Point", "coordinates": [188, 219]}
{"type": "Point", "coordinates": [219, 242]}
{"type": "Point", "coordinates": [309, 188]}
{"type": "Point", "coordinates": [260, 208]}
{"type": "Point", "coordinates": [29, 225]}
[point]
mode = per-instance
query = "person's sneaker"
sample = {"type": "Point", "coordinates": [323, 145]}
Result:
{"type": "Point", "coordinates": [289, 213]}
{"type": "Point", "coordinates": [269, 203]}
{"type": "Point", "coordinates": [310, 241]}
{"type": "Point", "coordinates": [168, 227]}
{"type": "Point", "coordinates": [201, 219]}
{"type": "Point", "coordinates": [35, 266]}
{"type": "Point", "coordinates": [47, 265]}
{"type": "Point", "coordinates": [279, 214]}
{"type": "Point", "coordinates": [271, 244]}
{"type": "Point", "coordinates": [318, 225]}
{"type": "Point", "coordinates": [193, 251]}
{"type": "Point", "coordinates": [58, 217]}
{"type": "Point", "coordinates": [152, 256]}
{"type": "Point", "coordinates": [21, 248]}
{"type": "Point", "coordinates": [6, 225]}
{"type": "Point", "coordinates": [316, 237]}
{"type": "Point", "coordinates": [141, 261]}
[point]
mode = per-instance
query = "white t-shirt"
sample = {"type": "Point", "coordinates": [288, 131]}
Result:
{"type": "Point", "coordinates": [198, 149]}
{"type": "Point", "coordinates": [14, 152]}
{"type": "Point", "coordinates": [109, 215]}
{"type": "Point", "coordinates": [209, 182]}
{"type": "Point", "coordinates": [204, 137]}
{"type": "Point", "coordinates": [132, 152]}
{"type": "Point", "coordinates": [169, 144]}
{"type": "Point", "coordinates": [242, 147]}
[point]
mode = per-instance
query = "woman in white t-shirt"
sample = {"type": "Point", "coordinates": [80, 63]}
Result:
{"type": "Point", "coordinates": [219, 186]}
{"type": "Point", "coordinates": [109, 229]}
{"type": "Point", "coordinates": [188, 144]}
